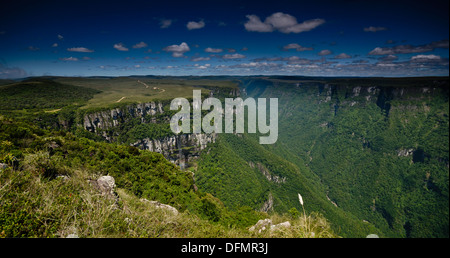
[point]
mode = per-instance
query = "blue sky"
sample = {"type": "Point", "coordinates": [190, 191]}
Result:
{"type": "Point", "coordinates": [312, 38]}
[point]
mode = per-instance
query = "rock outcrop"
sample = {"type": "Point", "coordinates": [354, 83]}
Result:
{"type": "Point", "coordinates": [106, 186]}
{"type": "Point", "coordinates": [266, 224]}
{"type": "Point", "coordinates": [267, 174]}
{"type": "Point", "coordinates": [179, 149]}
{"type": "Point", "coordinates": [261, 225]}
{"type": "Point", "coordinates": [162, 206]}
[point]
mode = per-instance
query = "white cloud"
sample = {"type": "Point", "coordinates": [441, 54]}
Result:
{"type": "Point", "coordinates": [69, 59]}
{"type": "Point", "coordinates": [177, 50]}
{"type": "Point", "coordinates": [197, 59]}
{"type": "Point", "coordinates": [389, 58]}
{"type": "Point", "coordinates": [381, 51]}
{"type": "Point", "coordinates": [213, 50]}
{"type": "Point", "coordinates": [120, 47]}
{"type": "Point", "coordinates": [233, 56]}
{"type": "Point", "coordinates": [205, 66]}
{"type": "Point", "coordinates": [141, 44]}
{"type": "Point", "coordinates": [165, 23]}
{"type": "Point", "coordinates": [80, 49]}
{"type": "Point", "coordinates": [296, 47]}
{"type": "Point", "coordinates": [55, 45]}
{"type": "Point", "coordinates": [374, 29]}
{"type": "Point", "coordinates": [257, 65]}
{"type": "Point", "coordinates": [195, 25]}
{"type": "Point", "coordinates": [324, 52]}
{"type": "Point", "coordinates": [60, 37]}
{"type": "Point", "coordinates": [409, 49]}
{"type": "Point", "coordinates": [425, 58]}
{"type": "Point", "coordinates": [343, 56]}
{"type": "Point", "coordinates": [282, 22]}
{"type": "Point", "coordinates": [255, 24]}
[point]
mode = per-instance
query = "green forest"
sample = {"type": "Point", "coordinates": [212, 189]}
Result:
{"type": "Point", "coordinates": [368, 155]}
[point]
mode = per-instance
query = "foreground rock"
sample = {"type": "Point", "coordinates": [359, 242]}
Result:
{"type": "Point", "coordinates": [285, 224]}
{"type": "Point", "coordinates": [106, 185]}
{"type": "Point", "coordinates": [265, 224]}
{"type": "Point", "coordinates": [159, 205]}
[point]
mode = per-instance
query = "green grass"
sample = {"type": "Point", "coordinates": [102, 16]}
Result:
{"type": "Point", "coordinates": [134, 90]}
{"type": "Point", "coordinates": [42, 94]}
{"type": "Point", "coordinates": [35, 201]}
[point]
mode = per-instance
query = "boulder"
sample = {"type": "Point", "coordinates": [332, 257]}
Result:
{"type": "Point", "coordinates": [285, 224]}
{"type": "Point", "coordinates": [106, 185]}
{"type": "Point", "coordinates": [261, 225]}
{"type": "Point", "coordinates": [159, 205]}
{"type": "Point", "coordinates": [265, 224]}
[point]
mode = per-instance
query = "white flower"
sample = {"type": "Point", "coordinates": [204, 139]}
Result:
{"type": "Point", "coordinates": [300, 199]}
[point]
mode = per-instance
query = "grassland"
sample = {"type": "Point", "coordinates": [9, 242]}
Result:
{"type": "Point", "coordinates": [141, 89]}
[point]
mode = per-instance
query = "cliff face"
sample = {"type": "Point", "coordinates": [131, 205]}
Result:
{"type": "Point", "coordinates": [104, 120]}
{"type": "Point", "coordinates": [179, 149]}
{"type": "Point", "coordinates": [363, 140]}
{"type": "Point", "coordinates": [341, 96]}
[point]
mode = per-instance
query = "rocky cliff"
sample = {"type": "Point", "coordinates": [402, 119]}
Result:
{"type": "Point", "coordinates": [179, 149]}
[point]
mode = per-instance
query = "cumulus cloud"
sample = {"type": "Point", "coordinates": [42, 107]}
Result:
{"type": "Point", "coordinates": [420, 65]}
{"type": "Point", "coordinates": [141, 44]}
{"type": "Point", "coordinates": [80, 49]}
{"type": "Point", "coordinates": [289, 60]}
{"type": "Point", "coordinates": [342, 56]}
{"type": "Point", "coordinates": [409, 49]}
{"type": "Point", "coordinates": [213, 50]}
{"type": "Point", "coordinates": [120, 47]}
{"type": "Point", "coordinates": [258, 65]}
{"type": "Point", "coordinates": [325, 52]}
{"type": "Point", "coordinates": [192, 25]}
{"type": "Point", "coordinates": [297, 47]}
{"type": "Point", "coordinates": [425, 58]}
{"type": "Point", "coordinates": [197, 59]}
{"type": "Point", "coordinates": [255, 24]}
{"type": "Point", "coordinates": [60, 37]}
{"type": "Point", "coordinates": [233, 56]}
{"type": "Point", "coordinates": [177, 50]}
{"type": "Point", "coordinates": [69, 59]}
{"type": "Point", "coordinates": [165, 23]}
{"type": "Point", "coordinates": [205, 66]}
{"type": "Point", "coordinates": [55, 45]}
{"type": "Point", "coordinates": [281, 22]}
{"type": "Point", "coordinates": [388, 58]}
{"type": "Point", "coordinates": [374, 29]}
